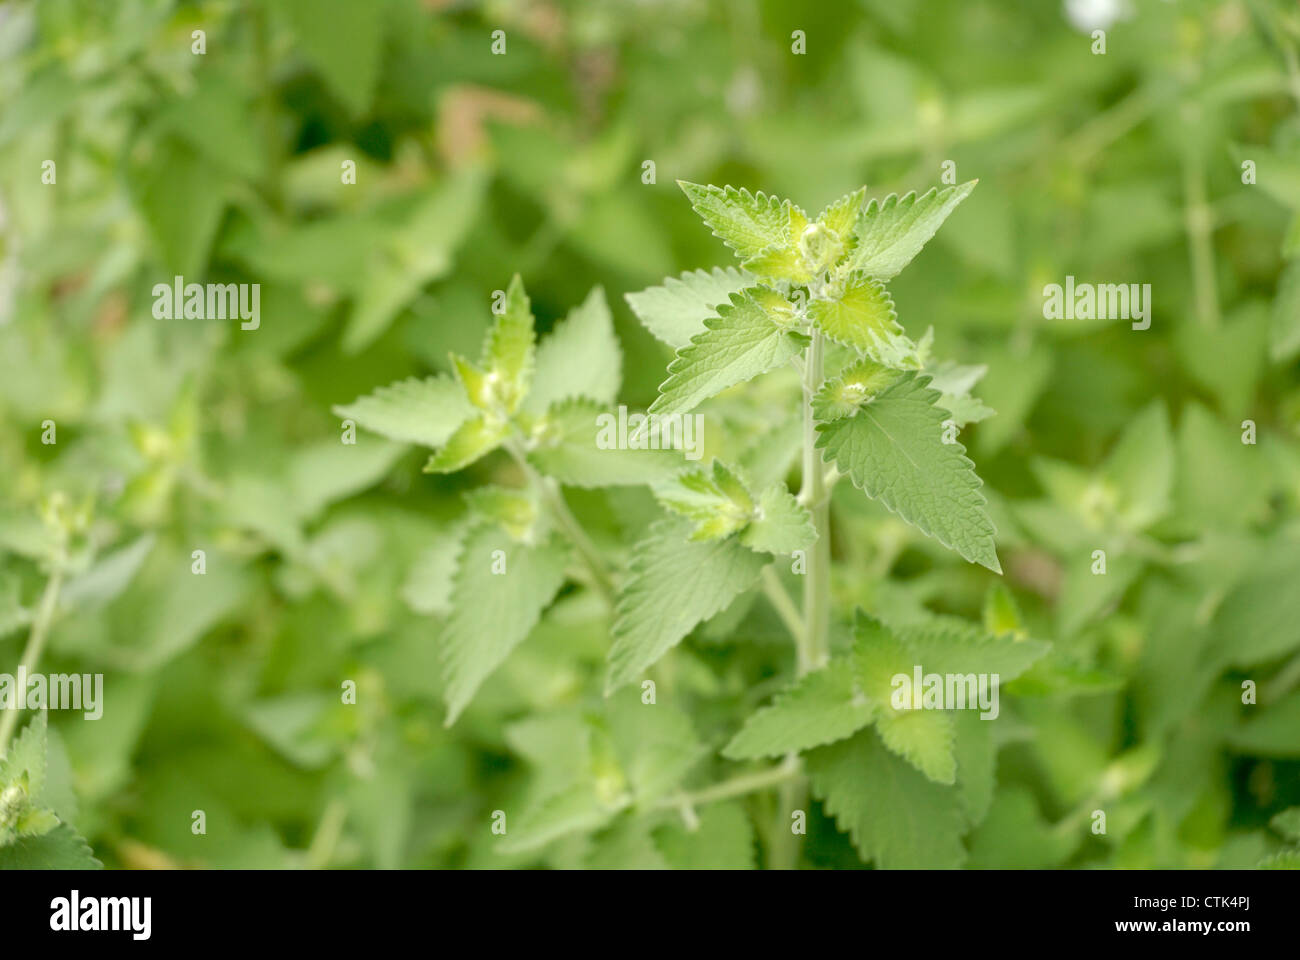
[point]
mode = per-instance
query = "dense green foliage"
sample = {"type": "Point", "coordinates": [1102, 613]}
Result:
{"type": "Point", "coordinates": [427, 606]}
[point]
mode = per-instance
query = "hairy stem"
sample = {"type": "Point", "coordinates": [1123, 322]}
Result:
{"type": "Point", "coordinates": [567, 522]}
{"type": "Point", "coordinates": [816, 592]}
{"type": "Point", "coordinates": [35, 644]}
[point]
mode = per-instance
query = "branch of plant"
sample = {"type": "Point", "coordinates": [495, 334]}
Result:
{"type": "Point", "coordinates": [813, 493]}
{"type": "Point", "coordinates": [783, 605]}
{"type": "Point", "coordinates": [568, 523]}
{"type": "Point", "coordinates": [788, 769]}
{"type": "Point", "coordinates": [35, 645]}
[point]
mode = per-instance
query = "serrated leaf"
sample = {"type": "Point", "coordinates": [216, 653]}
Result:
{"type": "Point", "coordinates": [819, 708]}
{"type": "Point", "coordinates": [492, 612]}
{"type": "Point", "coordinates": [60, 849]}
{"type": "Point", "coordinates": [427, 588]}
{"type": "Point", "coordinates": [924, 738]}
{"type": "Point", "coordinates": [424, 411]}
{"type": "Point", "coordinates": [844, 396]}
{"type": "Point", "coordinates": [781, 524]}
{"type": "Point", "coordinates": [893, 450]}
{"type": "Point", "coordinates": [958, 648]}
{"type": "Point", "coordinates": [655, 744]}
{"type": "Point", "coordinates": [675, 312]}
{"type": "Point", "coordinates": [473, 439]}
{"type": "Point", "coordinates": [579, 358]}
{"type": "Point", "coordinates": [976, 754]}
{"type": "Point", "coordinates": [510, 350]}
{"type": "Point", "coordinates": [842, 215]}
{"type": "Point", "coordinates": [1283, 860]}
{"type": "Point", "coordinates": [863, 317]}
{"type": "Point", "coordinates": [578, 443]}
{"type": "Point", "coordinates": [890, 232]}
{"type": "Point", "coordinates": [24, 763]}
{"type": "Point", "coordinates": [672, 585]}
{"type": "Point", "coordinates": [714, 499]}
{"type": "Point", "coordinates": [895, 817]}
{"type": "Point", "coordinates": [744, 340]}
{"type": "Point", "coordinates": [748, 223]}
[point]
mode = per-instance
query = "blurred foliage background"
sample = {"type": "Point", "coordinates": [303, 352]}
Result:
{"type": "Point", "coordinates": [322, 559]}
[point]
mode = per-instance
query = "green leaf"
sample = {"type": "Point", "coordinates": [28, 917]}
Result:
{"type": "Point", "coordinates": [953, 646]}
{"type": "Point", "coordinates": [1282, 860]}
{"type": "Point", "coordinates": [860, 383]}
{"type": "Point", "coordinates": [748, 223]}
{"type": "Point", "coordinates": [863, 317]}
{"type": "Point", "coordinates": [781, 524]}
{"type": "Point", "coordinates": [1284, 329]}
{"type": "Point", "coordinates": [343, 41]}
{"type": "Point", "coordinates": [748, 337]}
{"type": "Point", "coordinates": [1140, 470]}
{"type": "Point", "coordinates": [890, 232]}
{"type": "Point", "coordinates": [473, 439]}
{"type": "Point", "coordinates": [715, 501]}
{"type": "Point", "coordinates": [893, 450]}
{"type": "Point", "coordinates": [1287, 823]}
{"type": "Point", "coordinates": [676, 311]}
{"type": "Point", "coordinates": [924, 738]}
{"type": "Point", "coordinates": [955, 382]}
{"type": "Point", "coordinates": [492, 612]}
{"type": "Point", "coordinates": [655, 744]}
{"type": "Point", "coordinates": [580, 358]}
{"type": "Point", "coordinates": [576, 443]}
{"type": "Point", "coordinates": [672, 585]}
{"type": "Point", "coordinates": [424, 411]}
{"type": "Point", "coordinates": [509, 353]}
{"type": "Point", "coordinates": [819, 708]}
{"type": "Point", "coordinates": [24, 763]}
{"type": "Point", "coordinates": [842, 215]}
{"type": "Point", "coordinates": [417, 253]}
{"type": "Point", "coordinates": [722, 840]}
{"type": "Point", "coordinates": [576, 809]}
{"type": "Point", "coordinates": [60, 849]}
{"type": "Point", "coordinates": [976, 754]}
{"type": "Point", "coordinates": [895, 817]}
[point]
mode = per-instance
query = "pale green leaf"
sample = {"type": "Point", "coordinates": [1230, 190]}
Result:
{"type": "Point", "coordinates": [510, 350]}
{"type": "Point", "coordinates": [578, 443]}
{"type": "Point", "coordinates": [749, 336]}
{"type": "Point", "coordinates": [493, 612]}
{"type": "Point", "coordinates": [781, 524]}
{"type": "Point", "coordinates": [473, 439]}
{"type": "Point", "coordinates": [895, 817]}
{"type": "Point", "coordinates": [424, 411]}
{"type": "Point", "coordinates": [819, 708]}
{"type": "Point", "coordinates": [893, 450]}
{"type": "Point", "coordinates": [891, 232]}
{"type": "Point", "coordinates": [675, 312]}
{"type": "Point", "coordinates": [748, 223]}
{"type": "Point", "coordinates": [714, 500]}
{"type": "Point", "coordinates": [579, 358]}
{"type": "Point", "coordinates": [1284, 328]}
{"type": "Point", "coordinates": [863, 317]}
{"type": "Point", "coordinates": [60, 849]}
{"type": "Point", "coordinates": [672, 585]}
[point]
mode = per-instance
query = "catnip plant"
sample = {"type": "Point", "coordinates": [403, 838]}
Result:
{"type": "Point", "coordinates": [809, 295]}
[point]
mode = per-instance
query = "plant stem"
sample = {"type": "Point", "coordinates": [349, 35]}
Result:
{"type": "Point", "coordinates": [735, 787]}
{"type": "Point", "coordinates": [568, 523]}
{"type": "Point", "coordinates": [35, 644]}
{"type": "Point", "coordinates": [812, 493]}
{"type": "Point", "coordinates": [328, 831]}
{"type": "Point", "coordinates": [783, 605]}
{"type": "Point", "coordinates": [1200, 225]}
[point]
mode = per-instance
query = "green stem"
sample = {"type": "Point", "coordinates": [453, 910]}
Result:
{"type": "Point", "coordinates": [735, 787]}
{"type": "Point", "coordinates": [328, 832]}
{"type": "Point", "coordinates": [568, 523]}
{"type": "Point", "coordinates": [35, 644]}
{"type": "Point", "coordinates": [783, 605]}
{"type": "Point", "coordinates": [816, 594]}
